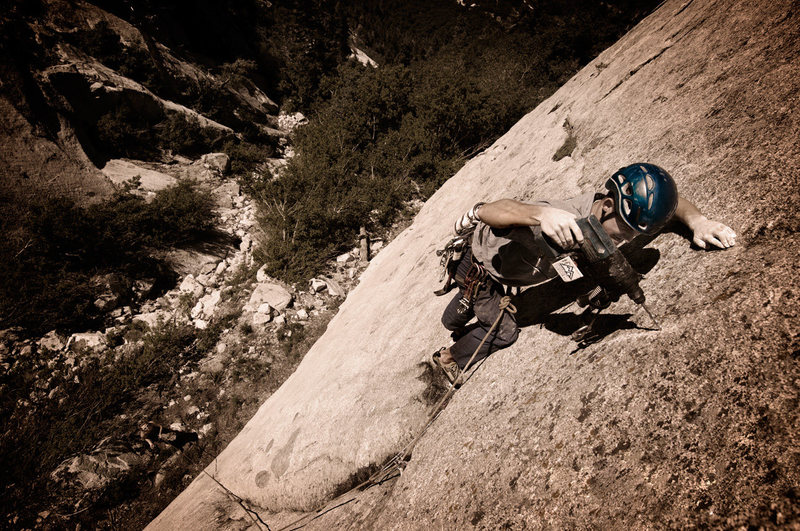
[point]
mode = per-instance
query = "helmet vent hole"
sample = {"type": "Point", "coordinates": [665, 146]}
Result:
{"type": "Point", "coordinates": [650, 201]}
{"type": "Point", "coordinates": [626, 207]}
{"type": "Point", "coordinates": [650, 183]}
{"type": "Point", "coordinates": [627, 189]}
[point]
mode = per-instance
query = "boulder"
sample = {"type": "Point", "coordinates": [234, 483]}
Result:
{"type": "Point", "coordinates": [51, 341]}
{"type": "Point", "coordinates": [246, 243]}
{"type": "Point", "coordinates": [98, 469]}
{"type": "Point", "coordinates": [218, 162]}
{"type": "Point", "coordinates": [208, 268]}
{"type": "Point", "coordinates": [260, 319]}
{"type": "Point", "coordinates": [334, 288]}
{"type": "Point", "coordinates": [302, 315]}
{"type": "Point", "coordinates": [153, 319]}
{"type": "Point", "coordinates": [209, 303]}
{"type": "Point", "coordinates": [121, 172]}
{"type": "Point", "coordinates": [344, 258]}
{"type": "Point", "coordinates": [318, 285]}
{"type": "Point", "coordinates": [289, 122]}
{"type": "Point", "coordinates": [261, 274]}
{"type": "Point", "coordinates": [226, 194]}
{"type": "Point", "coordinates": [86, 340]}
{"type": "Point", "coordinates": [273, 294]}
{"type": "Point", "coordinates": [191, 285]}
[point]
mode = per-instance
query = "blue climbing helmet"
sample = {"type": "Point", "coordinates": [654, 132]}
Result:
{"type": "Point", "coordinates": [645, 196]}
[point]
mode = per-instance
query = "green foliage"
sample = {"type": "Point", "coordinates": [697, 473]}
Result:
{"type": "Point", "coordinates": [56, 247]}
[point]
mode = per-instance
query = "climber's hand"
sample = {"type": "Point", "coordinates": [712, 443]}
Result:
{"type": "Point", "coordinates": [706, 231]}
{"type": "Point", "coordinates": [560, 225]}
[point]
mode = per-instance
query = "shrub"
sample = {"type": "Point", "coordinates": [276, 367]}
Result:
{"type": "Point", "coordinates": [124, 132]}
{"type": "Point", "coordinates": [184, 134]}
{"type": "Point", "coordinates": [56, 247]}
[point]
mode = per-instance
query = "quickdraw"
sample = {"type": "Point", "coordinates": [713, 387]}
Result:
{"type": "Point", "coordinates": [451, 254]}
{"type": "Point", "coordinates": [476, 277]}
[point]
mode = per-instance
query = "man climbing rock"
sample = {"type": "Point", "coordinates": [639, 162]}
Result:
{"type": "Point", "coordinates": [502, 251]}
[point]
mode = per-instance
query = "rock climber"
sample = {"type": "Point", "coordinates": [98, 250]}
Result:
{"type": "Point", "coordinates": [641, 199]}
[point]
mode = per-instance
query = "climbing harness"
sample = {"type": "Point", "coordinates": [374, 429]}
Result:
{"type": "Point", "coordinates": [395, 466]}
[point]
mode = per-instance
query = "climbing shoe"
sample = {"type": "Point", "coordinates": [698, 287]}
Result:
{"type": "Point", "coordinates": [450, 370]}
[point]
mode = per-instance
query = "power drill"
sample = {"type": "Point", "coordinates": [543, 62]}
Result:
{"type": "Point", "coordinates": [600, 260]}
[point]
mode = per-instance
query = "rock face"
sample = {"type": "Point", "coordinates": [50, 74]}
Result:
{"type": "Point", "coordinates": [692, 425]}
{"type": "Point", "coordinates": [121, 171]}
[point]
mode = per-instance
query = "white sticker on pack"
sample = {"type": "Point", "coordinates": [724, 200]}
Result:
{"type": "Point", "coordinates": [567, 269]}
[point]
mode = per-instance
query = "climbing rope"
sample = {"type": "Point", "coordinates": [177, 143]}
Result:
{"type": "Point", "coordinates": [394, 466]}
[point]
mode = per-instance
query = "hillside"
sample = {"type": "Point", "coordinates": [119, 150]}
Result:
{"type": "Point", "coordinates": [695, 424]}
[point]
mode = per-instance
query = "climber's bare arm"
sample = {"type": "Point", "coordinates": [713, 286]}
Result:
{"type": "Point", "coordinates": [556, 223]}
{"type": "Point", "coordinates": [704, 230]}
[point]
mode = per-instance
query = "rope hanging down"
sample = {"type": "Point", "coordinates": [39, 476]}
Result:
{"type": "Point", "coordinates": [394, 466]}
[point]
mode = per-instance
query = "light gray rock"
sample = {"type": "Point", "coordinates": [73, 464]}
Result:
{"type": "Point", "coordinates": [212, 365]}
{"type": "Point", "coordinates": [219, 162]}
{"type": "Point", "coordinates": [208, 268]}
{"type": "Point", "coordinates": [86, 340]}
{"type": "Point", "coordinates": [261, 274]}
{"type": "Point", "coordinates": [98, 469]}
{"type": "Point", "coordinates": [318, 285]}
{"type": "Point", "coordinates": [121, 171]}
{"type": "Point", "coordinates": [302, 315]}
{"type": "Point", "coordinates": [260, 319]}
{"type": "Point", "coordinates": [153, 319]}
{"type": "Point", "coordinates": [51, 341]}
{"type": "Point", "coordinates": [273, 294]}
{"type": "Point", "coordinates": [344, 258]}
{"type": "Point", "coordinates": [289, 122]}
{"type": "Point", "coordinates": [334, 288]}
{"type": "Point", "coordinates": [191, 285]}
{"type": "Point", "coordinates": [106, 302]}
{"type": "Point", "coordinates": [246, 243]}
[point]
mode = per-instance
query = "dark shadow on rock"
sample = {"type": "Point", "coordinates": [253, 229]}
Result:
{"type": "Point", "coordinates": [216, 243]}
{"type": "Point", "coordinates": [537, 304]}
{"type": "Point", "coordinates": [436, 384]}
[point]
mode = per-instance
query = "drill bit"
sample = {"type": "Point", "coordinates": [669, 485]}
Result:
{"type": "Point", "coordinates": [652, 318]}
